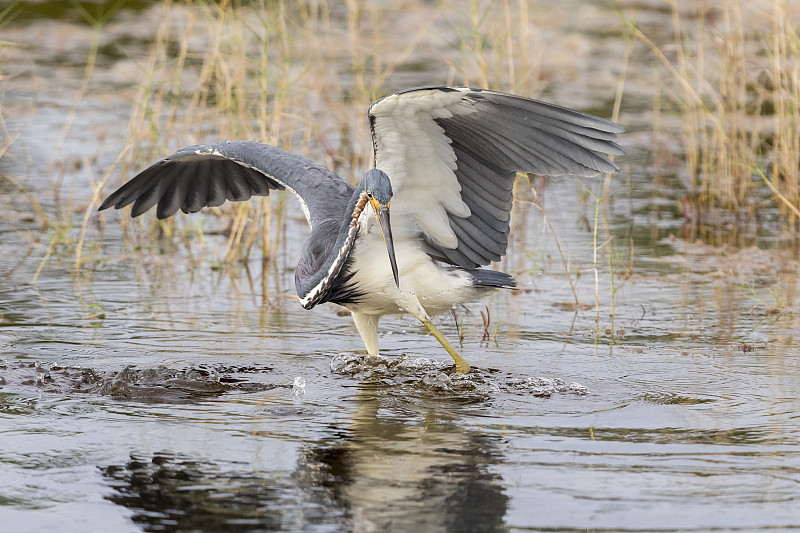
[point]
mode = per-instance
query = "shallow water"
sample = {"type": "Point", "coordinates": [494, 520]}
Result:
{"type": "Point", "coordinates": [163, 392]}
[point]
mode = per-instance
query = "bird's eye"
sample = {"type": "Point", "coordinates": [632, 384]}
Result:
{"type": "Point", "coordinates": [369, 195]}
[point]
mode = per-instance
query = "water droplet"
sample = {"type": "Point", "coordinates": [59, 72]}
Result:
{"type": "Point", "coordinates": [299, 387]}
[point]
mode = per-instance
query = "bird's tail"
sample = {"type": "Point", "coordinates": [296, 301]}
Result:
{"type": "Point", "coordinates": [482, 277]}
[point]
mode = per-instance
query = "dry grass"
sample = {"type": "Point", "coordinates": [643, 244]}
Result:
{"type": "Point", "coordinates": [230, 71]}
{"type": "Point", "coordinates": [732, 68]}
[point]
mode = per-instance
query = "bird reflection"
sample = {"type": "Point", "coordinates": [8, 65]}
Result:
{"type": "Point", "coordinates": [394, 467]}
{"type": "Point", "coordinates": [406, 470]}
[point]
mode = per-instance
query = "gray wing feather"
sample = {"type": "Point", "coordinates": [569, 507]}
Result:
{"type": "Point", "coordinates": [199, 196]}
{"type": "Point", "coordinates": [218, 188]}
{"type": "Point", "coordinates": [238, 188]}
{"type": "Point", "coordinates": [507, 134]}
{"type": "Point", "coordinates": [174, 197]}
{"type": "Point", "coordinates": [208, 175]}
{"type": "Point", "coordinates": [127, 194]}
{"type": "Point", "coordinates": [150, 196]}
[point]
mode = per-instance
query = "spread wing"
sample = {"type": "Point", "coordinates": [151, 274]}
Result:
{"type": "Point", "coordinates": [209, 174]}
{"type": "Point", "coordinates": [452, 154]}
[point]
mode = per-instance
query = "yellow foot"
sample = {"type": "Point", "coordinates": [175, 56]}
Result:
{"type": "Point", "coordinates": [462, 367]}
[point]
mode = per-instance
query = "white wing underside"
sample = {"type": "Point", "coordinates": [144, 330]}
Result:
{"type": "Point", "coordinates": [415, 153]}
{"type": "Point", "coordinates": [452, 154]}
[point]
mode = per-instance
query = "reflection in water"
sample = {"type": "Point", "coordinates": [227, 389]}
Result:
{"type": "Point", "coordinates": [391, 469]}
{"type": "Point", "coordinates": [173, 493]}
{"type": "Point", "coordinates": [400, 471]}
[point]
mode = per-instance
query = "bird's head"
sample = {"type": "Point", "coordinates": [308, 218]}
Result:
{"type": "Point", "coordinates": [378, 187]}
{"type": "Point", "coordinates": [379, 192]}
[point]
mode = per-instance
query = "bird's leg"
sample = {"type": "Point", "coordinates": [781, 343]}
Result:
{"type": "Point", "coordinates": [413, 306]}
{"type": "Point", "coordinates": [462, 367]}
{"type": "Point", "coordinates": [367, 326]}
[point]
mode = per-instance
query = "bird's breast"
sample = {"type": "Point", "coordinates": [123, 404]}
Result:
{"type": "Point", "coordinates": [422, 281]}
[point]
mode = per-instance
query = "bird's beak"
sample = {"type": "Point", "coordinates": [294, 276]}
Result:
{"type": "Point", "coordinates": [382, 213]}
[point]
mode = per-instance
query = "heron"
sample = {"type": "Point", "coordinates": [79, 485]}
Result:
{"type": "Point", "coordinates": [418, 231]}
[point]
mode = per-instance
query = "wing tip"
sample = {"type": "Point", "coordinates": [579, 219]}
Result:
{"type": "Point", "coordinates": [106, 204]}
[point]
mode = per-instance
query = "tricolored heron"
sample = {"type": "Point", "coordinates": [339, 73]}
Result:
{"type": "Point", "coordinates": [445, 163]}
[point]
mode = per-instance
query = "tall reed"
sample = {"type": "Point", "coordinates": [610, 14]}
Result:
{"type": "Point", "coordinates": [298, 75]}
{"type": "Point", "coordinates": [732, 69]}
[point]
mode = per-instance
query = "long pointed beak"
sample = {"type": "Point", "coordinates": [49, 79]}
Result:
{"type": "Point", "coordinates": [382, 212]}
